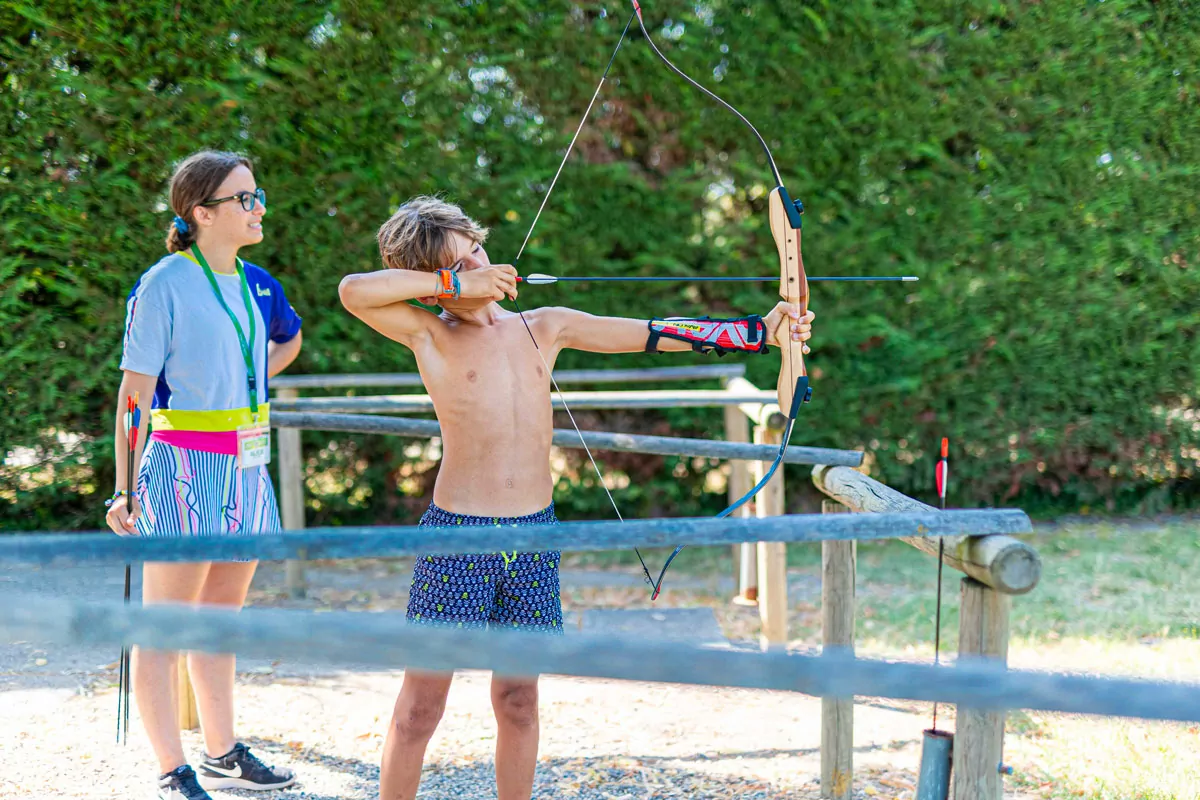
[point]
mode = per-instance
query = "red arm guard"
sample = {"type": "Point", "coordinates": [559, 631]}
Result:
{"type": "Point", "coordinates": [741, 334]}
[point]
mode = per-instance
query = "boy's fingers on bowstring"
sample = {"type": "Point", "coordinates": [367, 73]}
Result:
{"type": "Point", "coordinates": [504, 280]}
{"type": "Point", "coordinates": [502, 290]}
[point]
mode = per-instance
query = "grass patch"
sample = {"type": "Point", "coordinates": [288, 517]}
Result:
{"type": "Point", "coordinates": [1113, 599]}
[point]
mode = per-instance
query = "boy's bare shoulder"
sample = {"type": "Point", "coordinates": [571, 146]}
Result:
{"type": "Point", "coordinates": [552, 315]}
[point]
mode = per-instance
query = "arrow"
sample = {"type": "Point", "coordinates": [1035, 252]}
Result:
{"type": "Point", "coordinates": [538, 279]}
{"type": "Point", "coordinates": [942, 479]}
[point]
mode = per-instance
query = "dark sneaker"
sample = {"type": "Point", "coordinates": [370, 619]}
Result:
{"type": "Point", "coordinates": [180, 784]}
{"type": "Point", "coordinates": [240, 769]}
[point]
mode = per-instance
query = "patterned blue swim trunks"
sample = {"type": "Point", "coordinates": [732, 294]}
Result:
{"type": "Point", "coordinates": [501, 590]}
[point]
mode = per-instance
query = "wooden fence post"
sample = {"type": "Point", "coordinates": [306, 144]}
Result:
{"type": "Point", "coordinates": [837, 629]}
{"type": "Point", "coordinates": [745, 558]}
{"type": "Point", "coordinates": [979, 735]}
{"type": "Point", "coordinates": [291, 494]}
{"type": "Point", "coordinates": [772, 556]}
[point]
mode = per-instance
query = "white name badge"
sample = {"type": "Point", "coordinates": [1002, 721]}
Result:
{"type": "Point", "coordinates": [254, 447]}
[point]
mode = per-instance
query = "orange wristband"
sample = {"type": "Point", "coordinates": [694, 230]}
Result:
{"type": "Point", "coordinates": [448, 281]}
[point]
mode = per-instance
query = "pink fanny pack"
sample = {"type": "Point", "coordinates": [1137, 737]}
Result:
{"type": "Point", "coordinates": [224, 442]}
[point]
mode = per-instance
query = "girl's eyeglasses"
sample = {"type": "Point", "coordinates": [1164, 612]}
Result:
{"type": "Point", "coordinates": [247, 199]}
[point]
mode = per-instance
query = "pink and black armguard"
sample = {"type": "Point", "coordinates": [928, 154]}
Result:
{"type": "Point", "coordinates": [741, 334]}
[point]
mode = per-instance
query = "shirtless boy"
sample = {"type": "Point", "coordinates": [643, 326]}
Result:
{"type": "Point", "coordinates": [491, 391]}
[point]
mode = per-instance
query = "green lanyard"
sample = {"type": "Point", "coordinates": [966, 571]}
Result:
{"type": "Point", "coordinates": [247, 348]}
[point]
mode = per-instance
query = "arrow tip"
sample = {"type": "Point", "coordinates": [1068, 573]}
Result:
{"type": "Point", "coordinates": [910, 279]}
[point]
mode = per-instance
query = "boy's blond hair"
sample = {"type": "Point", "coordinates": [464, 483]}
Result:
{"type": "Point", "coordinates": [417, 236]}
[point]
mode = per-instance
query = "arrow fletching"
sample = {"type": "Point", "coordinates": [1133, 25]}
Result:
{"type": "Point", "coordinates": [538, 279]}
{"type": "Point", "coordinates": [943, 471]}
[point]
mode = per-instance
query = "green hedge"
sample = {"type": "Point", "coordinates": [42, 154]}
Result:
{"type": "Point", "coordinates": [1034, 164]}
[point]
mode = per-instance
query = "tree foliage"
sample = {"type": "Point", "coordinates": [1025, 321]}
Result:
{"type": "Point", "coordinates": [1034, 163]}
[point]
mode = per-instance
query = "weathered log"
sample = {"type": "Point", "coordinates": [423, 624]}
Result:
{"type": "Point", "coordinates": [1005, 564]}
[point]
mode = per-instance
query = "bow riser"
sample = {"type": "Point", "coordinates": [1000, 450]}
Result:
{"type": "Point", "coordinates": [792, 388]}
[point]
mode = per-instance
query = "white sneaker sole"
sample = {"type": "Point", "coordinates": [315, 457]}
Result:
{"type": "Point", "coordinates": [210, 783]}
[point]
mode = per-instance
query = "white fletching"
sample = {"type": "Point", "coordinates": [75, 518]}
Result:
{"type": "Point", "coordinates": [538, 279]}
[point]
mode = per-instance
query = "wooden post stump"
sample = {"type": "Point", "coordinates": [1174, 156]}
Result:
{"type": "Point", "coordinates": [979, 735]}
{"type": "Point", "coordinates": [291, 495]}
{"type": "Point", "coordinates": [837, 629]}
{"type": "Point", "coordinates": [772, 556]}
{"type": "Point", "coordinates": [745, 558]}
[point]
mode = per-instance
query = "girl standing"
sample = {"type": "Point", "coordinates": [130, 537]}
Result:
{"type": "Point", "coordinates": [203, 332]}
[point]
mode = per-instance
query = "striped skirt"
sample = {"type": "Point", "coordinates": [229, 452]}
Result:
{"type": "Point", "coordinates": [183, 492]}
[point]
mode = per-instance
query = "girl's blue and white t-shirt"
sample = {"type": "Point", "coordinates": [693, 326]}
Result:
{"type": "Point", "coordinates": [176, 329]}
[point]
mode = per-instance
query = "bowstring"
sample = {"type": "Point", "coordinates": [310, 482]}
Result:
{"type": "Point", "coordinates": [553, 382]}
{"type": "Point", "coordinates": [571, 146]}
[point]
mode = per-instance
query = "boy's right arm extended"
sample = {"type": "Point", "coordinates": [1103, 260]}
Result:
{"type": "Point", "coordinates": [380, 299]}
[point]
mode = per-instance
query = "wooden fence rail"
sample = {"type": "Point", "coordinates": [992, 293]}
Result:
{"type": "Point", "coordinates": [385, 640]}
{"type": "Point", "coordinates": [568, 438]}
{"type": "Point", "coordinates": [61, 549]}
{"type": "Point", "coordinates": [625, 399]}
{"type": "Point", "coordinates": [566, 376]}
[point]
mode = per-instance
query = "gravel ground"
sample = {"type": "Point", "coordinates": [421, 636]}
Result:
{"type": "Point", "coordinates": [601, 740]}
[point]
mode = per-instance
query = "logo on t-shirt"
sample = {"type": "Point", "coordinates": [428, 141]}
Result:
{"type": "Point", "coordinates": [261, 291]}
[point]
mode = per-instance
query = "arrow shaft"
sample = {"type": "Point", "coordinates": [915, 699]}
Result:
{"type": "Point", "coordinates": [732, 279]}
